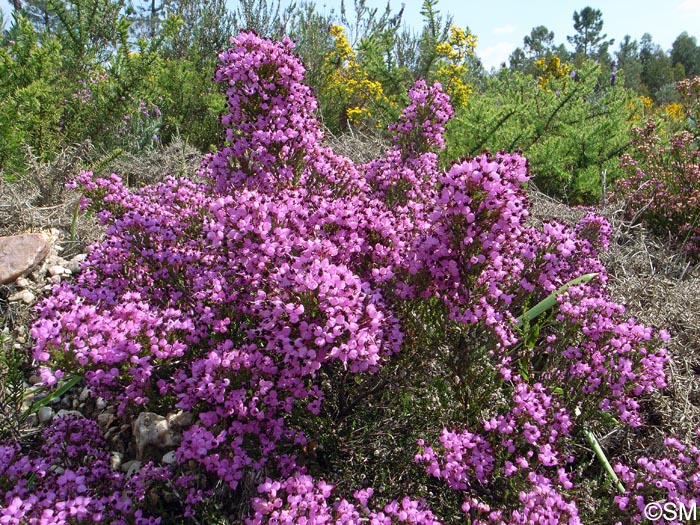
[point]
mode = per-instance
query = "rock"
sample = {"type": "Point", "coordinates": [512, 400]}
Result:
{"type": "Point", "coordinates": [23, 282]}
{"type": "Point", "coordinates": [131, 467]}
{"type": "Point", "coordinates": [153, 430]}
{"type": "Point", "coordinates": [169, 458]}
{"type": "Point", "coordinates": [84, 394]}
{"type": "Point", "coordinates": [105, 419]}
{"type": "Point", "coordinates": [73, 266]}
{"type": "Point", "coordinates": [64, 413]}
{"type": "Point", "coordinates": [45, 414]}
{"type": "Point", "coordinates": [100, 404]}
{"type": "Point", "coordinates": [19, 254]}
{"type": "Point", "coordinates": [25, 296]}
{"type": "Point", "coordinates": [180, 419]}
{"type": "Point", "coordinates": [56, 270]}
{"type": "Point", "coordinates": [115, 459]}
{"type": "Point", "coordinates": [28, 297]}
{"type": "Point", "coordinates": [34, 379]}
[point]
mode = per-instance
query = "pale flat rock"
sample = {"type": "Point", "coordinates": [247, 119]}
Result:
{"type": "Point", "coordinates": [19, 254]}
{"type": "Point", "coordinates": [153, 430]}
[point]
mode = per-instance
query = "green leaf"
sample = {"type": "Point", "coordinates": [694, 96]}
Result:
{"type": "Point", "coordinates": [551, 300]}
{"type": "Point", "coordinates": [65, 387]}
{"type": "Point", "coordinates": [604, 461]}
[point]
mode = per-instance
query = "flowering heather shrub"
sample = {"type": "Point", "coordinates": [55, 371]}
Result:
{"type": "Point", "coordinates": [289, 277]}
{"type": "Point", "coordinates": [672, 477]}
{"type": "Point", "coordinates": [663, 186]}
{"type": "Point", "coordinates": [72, 481]}
{"type": "Point", "coordinates": [299, 500]}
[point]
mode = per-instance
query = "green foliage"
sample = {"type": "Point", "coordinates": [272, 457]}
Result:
{"type": "Point", "coordinates": [29, 101]}
{"type": "Point", "coordinates": [570, 129]}
{"type": "Point", "coordinates": [265, 18]}
{"type": "Point", "coordinates": [539, 44]}
{"type": "Point", "coordinates": [685, 51]}
{"type": "Point", "coordinates": [309, 30]}
{"type": "Point", "coordinates": [205, 29]}
{"type": "Point", "coordinates": [87, 80]}
{"type": "Point", "coordinates": [190, 103]}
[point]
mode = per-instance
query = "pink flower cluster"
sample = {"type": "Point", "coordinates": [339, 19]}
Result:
{"type": "Point", "coordinates": [673, 477]}
{"type": "Point", "coordinates": [299, 499]}
{"type": "Point", "coordinates": [231, 299]}
{"type": "Point", "coordinates": [72, 481]}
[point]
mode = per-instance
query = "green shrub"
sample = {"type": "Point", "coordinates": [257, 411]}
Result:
{"type": "Point", "coordinates": [570, 128]}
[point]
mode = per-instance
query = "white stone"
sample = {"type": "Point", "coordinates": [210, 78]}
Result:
{"type": "Point", "coordinates": [115, 459]}
{"type": "Point", "coordinates": [73, 267]}
{"type": "Point", "coordinates": [130, 467]}
{"type": "Point", "coordinates": [45, 414]}
{"type": "Point", "coordinates": [153, 430]}
{"type": "Point", "coordinates": [28, 297]}
{"type": "Point", "coordinates": [22, 282]}
{"type": "Point", "coordinates": [64, 413]}
{"type": "Point", "coordinates": [100, 404]}
{"type": "Point", "coordinates": [180, 419]}
{"type": "Point", "coordinates": [84, 394]}
{"type": "Point", "coordinates": [56, 269]}
{"type": "Point", "coordinates": [169, 458]}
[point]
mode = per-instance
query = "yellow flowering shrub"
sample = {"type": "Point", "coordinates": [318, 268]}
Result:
{"type": "Point", "coordinates": [675, 112]}
{"type": "Point", "coordinates": [451, 70]}
{"type": "Point", "coordinates": [549, 69]}
{"type": "Point", "coordinates": [347, 87]}
{"type": "Point", "coordinates": [647, 104]}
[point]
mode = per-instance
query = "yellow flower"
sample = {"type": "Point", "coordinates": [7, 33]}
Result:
{"type": "Point", "coordinates": [552, 68]}
{"type": "Point", "coordinates": [357, 115]}
{"type": "Point", "coordinates": [444, 48]}
{"type": "Point", "coordinates": [675, 111]}
{"type": "Point", "coordinates": [451, 76]}
{"type": "Point", "coordinates": [347, 86]}
{"type": "Point", "coordinates": [452, 69]}
{"type": "Point", "coordinates": [343, 50]}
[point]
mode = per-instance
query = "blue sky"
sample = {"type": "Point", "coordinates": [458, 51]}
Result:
{"type": "Point", "coordinates": [501, 25]}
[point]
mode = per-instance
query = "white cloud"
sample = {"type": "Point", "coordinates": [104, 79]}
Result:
{"type": "Point", "coordinates": [494, 56]}
{"type": "Point", "coordinates": [689, 5]}
{"type": "Point", "coordinates": [509, 28]}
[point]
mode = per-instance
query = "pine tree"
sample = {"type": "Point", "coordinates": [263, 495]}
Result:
{"type": "Point", "coordinates": [589, 40]}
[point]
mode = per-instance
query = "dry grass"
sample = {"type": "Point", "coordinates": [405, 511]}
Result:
{"type": "Point", "coordinates": [357, 146]}
{"type": "Point", "coordinates": [39, 201]}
